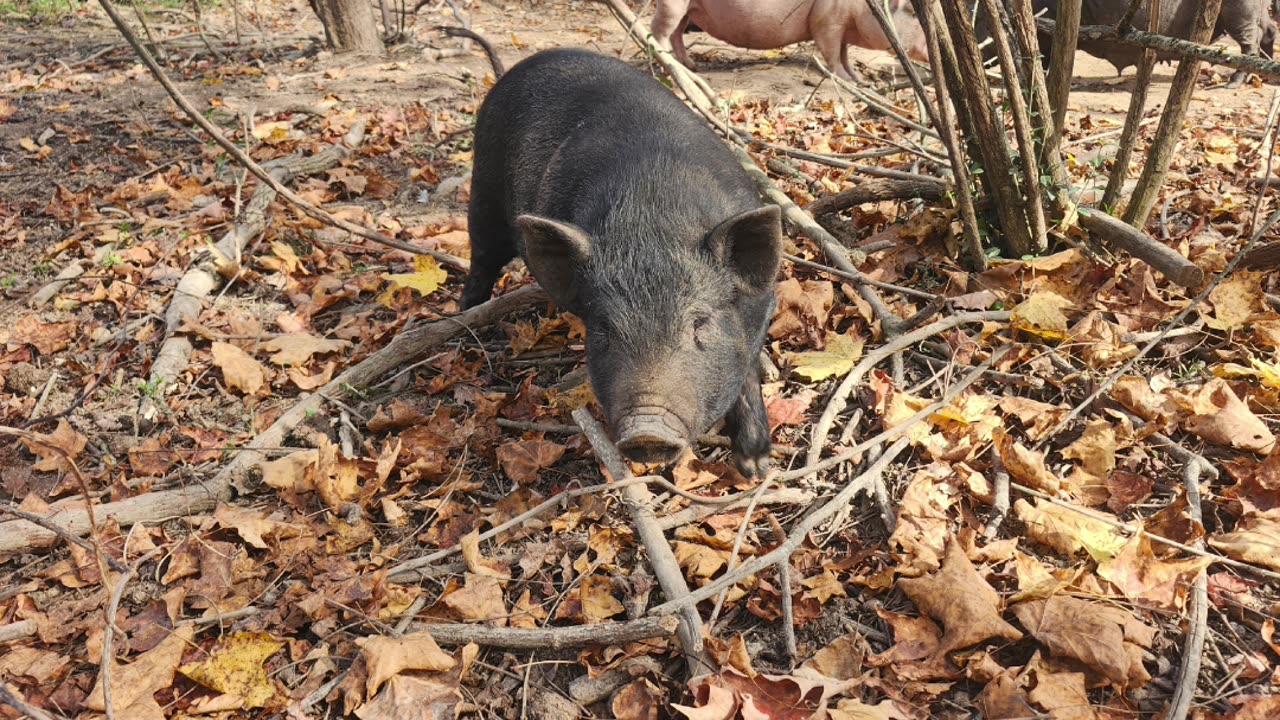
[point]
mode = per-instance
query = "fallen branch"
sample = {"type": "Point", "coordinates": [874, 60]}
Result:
{"type": "Point", "coordinates": [241, 157]}
{"type": "Point", "coordinates": [665, 567]}
{"type": "Point", "coordinates": [553, 638]}
{"type": "Point", "coordinates": [877, 190]}
{"type": "Point", "coordinates": [795, 538]}
{"type": "Point", "coordinates": [1115, 232]}
{"type": "Point", "coordinates": [1198, 611]}
{"type": "Point", "coordinates": [174, 355]}
{"type": "Point", "coordinates": [406, 348]}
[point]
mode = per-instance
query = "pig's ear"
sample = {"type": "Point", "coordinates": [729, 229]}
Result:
{"type": "Point", "coordinates": [751, 245]}
{"type": "Point", "coordinates": [554, 251]}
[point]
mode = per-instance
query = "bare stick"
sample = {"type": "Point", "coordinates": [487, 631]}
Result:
{"type": "Point", "coordinates": [794, 539]}
{"type": "Point", "coordinates": [1137, 103]}
{"type": "Point", "coordinates": [553, 638]}
{"type": "Point", "coordinates": [1137, 243]}
{"type": "Point", "coordinates": [1000, 499]}
{"type": "Point", "coordinates": [61, 532]}
{"type": "Point", "coordinates": [696, 513]}
{"type": "Point", "coordinates": [665, 567]}
{"type": "Point", "coordinates": [1161, 151]}
{"type": "Point", "coordinates": [1061, 63]}
{"type": "Point", "coordinates": [877, 190]}
{"type": "Point", "coordinates": [406, 348]}
{"type": "Point", "coordinates": [895, 43]}
{"type": "Point", "coordinates": [253, 167]}
{"type": "Point", "coordinates": [1198, 613]}
{"type": "Point", "coordinates": [1186, 49]}
{"type": "Point", "coordinates": [108, 636]}
{"type": "Point", "coordinates": [959, 164]}
{"type": "Point", "coordinates": [17, 630]}
{"type": "Point", "coordinates": [836, 405]}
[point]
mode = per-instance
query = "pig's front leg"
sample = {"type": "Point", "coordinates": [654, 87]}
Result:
{"type": "Point", "coordinates": [669, 21]}
{"type": "Point", "coordinates": [747, 425]}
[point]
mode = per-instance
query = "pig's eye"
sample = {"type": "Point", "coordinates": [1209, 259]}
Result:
{"type": "Point", "coordinates": [701, 331]}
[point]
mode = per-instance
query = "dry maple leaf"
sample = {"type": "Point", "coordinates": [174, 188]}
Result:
{"type": "Point", "coordinates": [386, 657]}
{"type": "Point", "coordinates": [1025, 465]}
{"type": "Point", "coordinates": [1090, 632]}
{"type": "Point", "coordinates": [235, 668]}
{"type": "Point", "coordinates": [1095, 450]}
{"type": "Point", "coordinates": [1002, 699]}
{"type": "Point", "coordinates": [638, 700]}
{"type": "Point", "coordinates": [595, 593]}
{"type": "Point", "coordinates": [135, 684]}
{"type": "Point", "coordinates": [523, 459]}
{"type": "Point", "coordinates": [407, 697]}
{"type": "Point", "coordinates": [250, 525]}
{"type": "Point", "coordinates": [1255, 540]}
{"type": "Point", "coordinates": [479, 600]}
{"type": "Point", "coordinates": [836, 360]}
{"type": "Point", "coordinates": [1070, 531]}
{"type": "Point", "coordinates": [958, 598]}
{"type": "Point", "coordinates": [239, 369]}
{"type": "Point", "coordinates": [1143, 577]}
{"type": "Point", "coordinates": [1222, 418]}
{"type": "Point", "coordinates": [1236, 300]}
{"type": "Point", "coordinates": [57, 449]}
{"type": "Point", "coordinates": [297, 348]}
{"type": "Point", "coordinates": [46, 338]}
{"type": "Point", "coordinates": [1041, 314]}
{"type": "Point", "coordinates": [1062, 694]}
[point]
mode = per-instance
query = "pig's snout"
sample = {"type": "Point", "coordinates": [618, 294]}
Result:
{"type": "Point", "coordinates": [652, 435]}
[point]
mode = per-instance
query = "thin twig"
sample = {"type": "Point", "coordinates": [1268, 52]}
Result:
{"type": "Point", "coordinates": [108, 636]}
{"type": "Point", "coordinates": [794, 539]}
{"type": "Point", "coordinates": [839, 398]}
{"type": "Point", "coordinates": [665, 567]}
{"type": "Point", "coordinates": [1198, 612]}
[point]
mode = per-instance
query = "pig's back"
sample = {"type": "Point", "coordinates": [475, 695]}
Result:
{"type": "Point", "coordinates": [569, 130]}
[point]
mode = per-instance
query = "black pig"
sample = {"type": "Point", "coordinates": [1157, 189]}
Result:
{"type": "Point", "coordinates": [1248, 22]}
{"type": "Point", "coordinates": [632, 214]}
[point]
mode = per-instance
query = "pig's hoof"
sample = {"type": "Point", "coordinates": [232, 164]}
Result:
{"type": "Point", "coordinates": [752, 466]}
{"type": "Point", "coordinates": [1235, 81]}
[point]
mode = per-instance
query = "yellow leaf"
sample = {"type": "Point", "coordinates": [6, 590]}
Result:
{"type": "Point", "coordinates": [1236, 300]}
{"type": "Point", "coordinates": [272, 133]}
{"type": "Point", "coordinates": [235, 666]}
{"type": "Point", "coordinates": [426, 278]}
{"type": "Point", "coordinates": [28, 144]}
{"type": "Point", "coordinates": [1041, 314]}
{"type": "Point", "coordinates": [838, 359]}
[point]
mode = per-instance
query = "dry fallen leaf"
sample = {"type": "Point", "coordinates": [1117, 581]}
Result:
{"type": "Point", "coordinates": [426, 278]}
{"type": "Point", "coordinates": [1041, 314]}
{"type": "Point", "coordinates": [1236, 300]}
{"type": "Point", "coordinates": [1148, 580]}
{"type": "Point", "coordinates": [836, 360]}
{"type": "Point", "coordinates": [523, 459]}
{"type": "Point", "coordinates": [133, 685]}
{"type": "Point", "coordinates": [1090, 632]}
{"type": "Point", "coordinates": [297, 348]}
{"type": "Point", "coordinates": [1222, 418]}
{"type": "Point", "coordinates": [239, 369]}
{"type": "Point", "coordinates": [386, 657]}
{"type": "Point", "coordinates": [1255, 540]}
{"type": "Point", "coordinates": [235, 667]}
{"type": "Point", "coordinates": [57, 449]}
{"type": "Point", "coordinates": [1069, 531]}
{"type": "Point", "coordinates": [958, 598]}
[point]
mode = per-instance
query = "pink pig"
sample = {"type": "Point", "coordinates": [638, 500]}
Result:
{"type": "Point", "coordinates": [769, 24]}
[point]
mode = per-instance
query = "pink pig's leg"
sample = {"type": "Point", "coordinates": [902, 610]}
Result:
{"type": "Point", "coordinates": [677, 46]}
{"type": "Point", "coordinates": [669, 20]}
{"type": "Point", "coordinates": [829, 37]}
